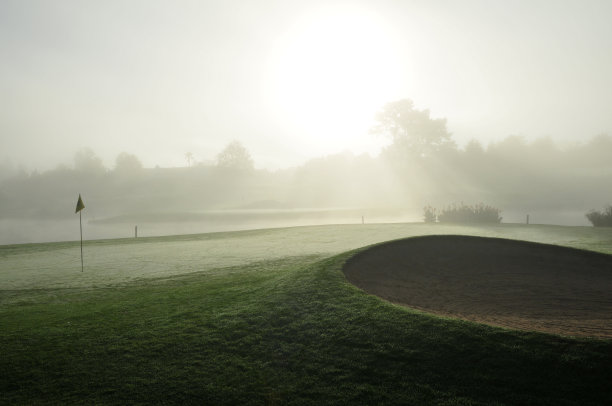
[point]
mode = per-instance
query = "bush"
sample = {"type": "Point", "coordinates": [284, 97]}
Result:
{"type": "Point", "coordinates": [601, 218]}
{"type": "Point", "coordinates": [463, 213]}
{"type": "Point", "coordinates": [429, 214]}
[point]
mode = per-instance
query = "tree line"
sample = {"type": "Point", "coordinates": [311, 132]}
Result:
{"type": "Point", "coordinates": [422, 166]}
{"type": "Point", "coordinates": [513, 173]}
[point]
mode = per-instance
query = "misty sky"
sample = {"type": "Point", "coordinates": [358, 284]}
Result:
{"type": "Point", "coordinates": [292, 79]}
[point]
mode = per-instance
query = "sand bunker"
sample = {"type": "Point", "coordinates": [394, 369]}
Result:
{"type": "Point", "coordinates": [507, 283]}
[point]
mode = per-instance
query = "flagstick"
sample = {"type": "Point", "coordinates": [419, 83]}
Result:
{"type": "Point", "coordinates": [81, 227]}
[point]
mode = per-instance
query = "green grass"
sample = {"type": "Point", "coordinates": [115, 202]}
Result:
{"type": "Point", "coordinates": [252, 327]}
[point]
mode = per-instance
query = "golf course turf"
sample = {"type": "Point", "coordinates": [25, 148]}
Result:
{"type": "Point", "coordinates": [240, 318]}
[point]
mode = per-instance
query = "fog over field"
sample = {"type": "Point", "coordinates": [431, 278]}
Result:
{"type": "Point", "coordinates": [191, 116]}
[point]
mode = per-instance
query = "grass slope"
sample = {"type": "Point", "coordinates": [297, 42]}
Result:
{"type": "Point", "coordinates": [286, 330]}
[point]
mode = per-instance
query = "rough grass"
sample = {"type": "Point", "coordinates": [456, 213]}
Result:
{"type": "Point", "coordinates": [286, 330]}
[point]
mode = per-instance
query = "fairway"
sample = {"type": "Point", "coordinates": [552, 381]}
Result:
{"type": "Point", "coordinates": [267, 317]}
{"type": "Point", "coordinates": [112, 262]}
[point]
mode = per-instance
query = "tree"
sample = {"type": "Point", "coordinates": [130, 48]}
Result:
{"type": "Point", "coordinates": [127, 163]}
{"type": "Point", "coordinates": [412, 130]}
{"type": "Point", "coordinates": [597, 151]}
{"type": "Point", "coordinates": [85, 160]}
{"type": "Point", "coordinates": [235, 156]}
{"type": "Point", "coordinates": [474, 148]}
{"type": "Point", "coordinates": [189, 158]}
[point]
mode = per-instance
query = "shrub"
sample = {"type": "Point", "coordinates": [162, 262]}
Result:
{"type": "Point", "coordinates": [463, 213]}
{"type": "Point", "coordinates": [429, 214]}
{"type": "Point", "coordinates": [601, 218]}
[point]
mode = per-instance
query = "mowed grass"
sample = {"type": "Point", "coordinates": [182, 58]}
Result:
{"type": "Point", "coordinates": [278, 327]}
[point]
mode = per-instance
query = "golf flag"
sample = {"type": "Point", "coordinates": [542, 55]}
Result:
{"type": "Point", "coordinates": [80, 206]}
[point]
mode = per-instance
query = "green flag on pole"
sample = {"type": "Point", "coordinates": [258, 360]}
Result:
{"type": "Point", "coordinates": [80, 205]}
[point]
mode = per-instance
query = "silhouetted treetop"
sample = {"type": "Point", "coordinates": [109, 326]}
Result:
{"type": "Point", "coordinates": [474, 148]}
{"type": "Point", "coordinates": [412, 130]}
{"type": "Point", "coordinates": [235, 156]}
{"type": "Point", "coordinates": [85, 160]}
{"type": "Point", "coordinates": [127, 163]}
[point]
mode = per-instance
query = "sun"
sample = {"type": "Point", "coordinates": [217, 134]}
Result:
{"type": "Point", "coordinates": [330, 74]}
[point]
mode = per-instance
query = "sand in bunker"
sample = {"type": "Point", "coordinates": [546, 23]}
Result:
{"type": "Point", "coordinates": [507, 283]}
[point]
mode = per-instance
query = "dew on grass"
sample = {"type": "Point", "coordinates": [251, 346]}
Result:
{"type": "Point", "coordinates": [111, 262]}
